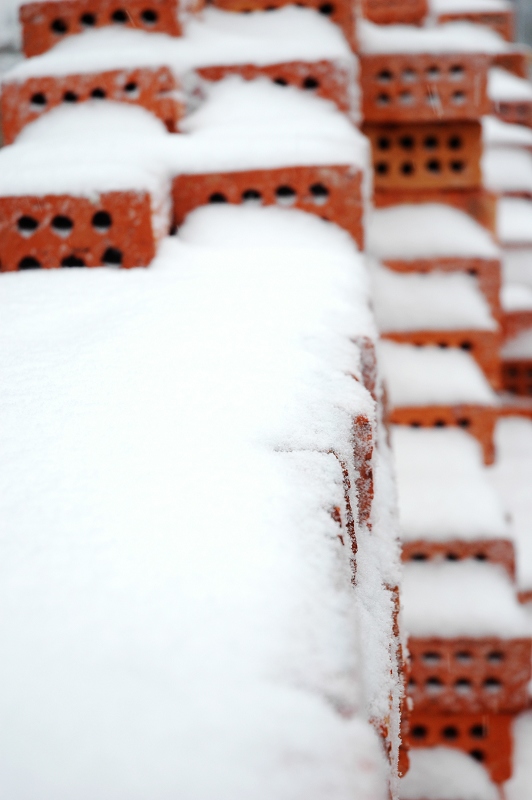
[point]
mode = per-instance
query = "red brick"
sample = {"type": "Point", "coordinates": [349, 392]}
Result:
{"type": "Point", "coordinates": [425, 155]}
{"type": "Point", "coordinates": [337, 192]}
{"type": "Point", "coordinates": [368, 363]}
{"type": "Point", "coordinates": [130, 232]}
{"type": "Point", "coordinates": [517, 377]}
{"type": "Point", "coordinates": [491, 551]}
{"type": "Point", "coordinates": [502, 22]}
{"type": "Point", "coordinates": [363, 460]}
{"type": "Point", "coordinates": [517, 112]}
{"type": "Point", "coordinates": [469, 675]}
{"type": "Point", "coordinates": [154, 89]}
{"type": "Point", "coordinates": [421, 87]}
{"type": "Point", "coordinates": [45, 24]}
{"type": "Point", "coordinates": [486, 737]}
{"type": "Point", "coordinates": [516, 61]}
{"type": "Point", "coordinates": [516, 322]}
{"type": "Point", "coordinates": [390, 12]}
{"type": "Point", "coordinates": [328, 79]}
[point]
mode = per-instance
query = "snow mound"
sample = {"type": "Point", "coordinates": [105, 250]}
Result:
{"type": "Point", "coordinates": [451, 37]}
{"type": "Point", "coordinates": [505, 87]}
{"type": "Point", "coordinates": [514, 221]}
{"type": "Point", "coordinates": [443, 773]}
{"type": "Point", "coordinates": [495, 132]}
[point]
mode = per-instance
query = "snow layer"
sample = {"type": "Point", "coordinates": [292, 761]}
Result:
{"type": "Point", "coordinates": [443, 487]}
{"type": "Point", "coordinates": [517, 265]}
{"type": "Point", "coordinates": [10, 31]}
{"type": "Point", "coordinates": [495, 132]}
{"type": "Point", "coordinates": [507, 169]}
{"type": "Point", "coordinates": [444, 773]}
{"type": "Point", "coordinates": [519, 787]}
{"type": "Point", "coordinates": [427, 230]}
{"type": "Point", "coordinates": [511, 475]}
{"type": "Point", "coordinates": [516, 297]}
{"type": "Point", "coordinates": [435, 301]}
{"type": "Point", "coordinates": [423, 376]}
{"type": "Point", "coordinates": [514, 221]}
{"type": "Point", "coordinates": [451, 37]}
{"type": "Point", "coordinates": [461, 599]}
{"type": "Point", "coordinates": [174, 589]}
{"type": "Point", "coordinates": [520, 347]}
{"type": "Point", "coordinates": [503, 86]}
{"type": "Point", "coordinates": [468, 6]}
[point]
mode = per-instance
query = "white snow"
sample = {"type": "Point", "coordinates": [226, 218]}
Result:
{"type": "Point", "coordinates": [519, 787]}
{"type": "Point", "coordinates": [503, 86]}
{"type": "Point", "coordinates": [450, 37]}
{"type": "Point", "coordinates": [507, 170]}
{"type": "Point", "coordinates": [443, 487]}
{"type": "Point", "coordinates": [514, 221]}
{"type": "Point", "coordinates": [517, 265]}
{"type": "Point", "coordinates": [423, 376]}
{"type": "Point", "coordinates": [179, 618]}
{"type": "Point", "coordinates": [468, 6]}
{"type": "Point", "coordinates": [461, 599]}
{"type": "Point", "coordinates": [10, 32]}
{"type": "Point", "coordinates": [520, 347]}
{"type": "Point", "coordinates": [495, 132]}
{"type": "Point", "coordinates": [516, 297]}
{"type": "Point", "coordinates": [444, 773]}
{"type": "Point", "coordinates": [511, 475]}
{"type": "Point", "coordinates": [433, 301]}
{"type": "Point", "coordinates": [427, 230]}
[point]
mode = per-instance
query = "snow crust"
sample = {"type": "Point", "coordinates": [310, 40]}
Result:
{"type": "Point", "coordinates": [506, 169]}
{"type": "Point", "coordinates": [433, 301]}
{"type": "Point", "coordinates": [444, 773]}
{"type": "Point", "coordinates": [461, 599]}
{"type": "Point", "coordinates": [467, 6]}
{"type": "Point", "coordinates": [443, 488]}
{"type": "Point", "coordinates": [450, 37]}
{"type": "Point", "coordinates": [426, 230]}
{"type": "Point", "coordinates": [511, 477]}
{"type": "Point", "coordinates": [503, 86]}
{"type": "Point", "coordinates": [174, 588]}
{"type": "Point", "coordinates": [514, 221]}
{"type": "Point", "coordinates": [422, 376]}
{"type": "Point", "coordinates": [495, 132]}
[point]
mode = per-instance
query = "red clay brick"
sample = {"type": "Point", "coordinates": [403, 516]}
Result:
{"type": "Point", "coordinates": [44, 24]}
{"type": "Point", "coordinates": [363, 460]}
{"type": "Point", "coordinates": [516, 322]}
{"type": "Point", "coordinates": [390, 12]}
{"type": "Point", "coordinates": [426, 155]}
{"type": "Point", "coordinates": [469, 675]}
{"type": "Point", "coordinates": [502, 22]}
{"type": "Point", "coordinates": [517, 377]}
{"type": "Point", "coordinates": [492, 551]}
{"type": "Point", "coordinates": [517, 112]}
{"type": "Point", "coordinates": [486, 737]}
{"type": "Point", "coordinates": [419, 87]}
{"type": "Point", "coordinates": [368, 363]}
{"type": "Point", "coordinates": [333, 193]}
{"type": "Point", "coordinates": [517, 61]}
{"type": "Point", "coordinates": [154, 89]}
{"type": "Point", "coordinates": [60, 230]}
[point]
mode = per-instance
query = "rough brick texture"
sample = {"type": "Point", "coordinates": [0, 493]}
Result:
{"type": "Point", "coordinates": [60, 230]}
{"type": "Point", "coordinates": [363, 458]}
{"type": "Point", "coordinates": [517, 376]}
{"type": "Point", "coordinates": [502, 22]}
{"type": "Point", "coordinates": [390, 12]}
{"type": "Point", "coordinates": [368, 363]}
{"type": "Point", "coordinates": [491, 551]}
{"type": "Point", "coordinates": [478, 203]}
{"type": "Point", "coordinates": [333, 193]}
{"type": "Point", "coordinates": [419, 87]}
{"type": "Point", "coordinates": [426, 155]}
{"type": "Point", "coordinates": [154, 89]}
{"type": "Point", "coordinates": [516, 61]}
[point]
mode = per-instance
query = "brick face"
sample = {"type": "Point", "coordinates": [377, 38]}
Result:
{"type": "Point", "coordinates": [502, 22]}
{"type": "Point", "coordinates": [491, 551]}
{"type": "Point", "coordinates": [389, 12]}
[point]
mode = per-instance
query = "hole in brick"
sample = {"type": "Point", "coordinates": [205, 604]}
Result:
{"type": "Point", "coordinates": [271, 8]}
{"type": "Point", "coordinates": [407, 142]}
{"type": "Point", "coordinates": [131, 87]}
{"type": "Point", "coordinates": [99, 93]}
{"type": "Point", "coordinates": [415, 424]}
{"type": "Point", "coordinates": [407, 168]}
{"type": "Point", "coordinates": [457, 166]}
{"type": "Point", "coordinates": [450, 733]}
{"type": "Point", "coordinates": [431, 657]}
{"type": "Point", "coordinates": [418, 557]}
{"type": "Point", "coordinates": [383, 99]}
{"type": "Point", "coordinates": [27, 225]}
{"type": "Point", "coordinates": [320, 193]}
{"type": "Point", "coordinates": [217, 197]}
{"type": "Point", "coordinates": [88, 20]}
{"type": "Point", "coordinates": [62, 225]}
{"type": "Point", "coordinates": [251, 196]}
{"type": "Point", "coordinates": [112, 256]}
{"type": "Point", "coordinates": [492, 685]}
{"type": "Point", "coordinates": [381, 168]}
{"type": "Point", "coordinates": [440, 423]}
{"type": "Point", "coordinates": [119, 16]}
{"type": "Point", "coordinates": [72, 261]}
{"type": "Point", "coordinates": [310, 83]}
{"type": "Point", "coordinates": [511, 371]}
{"type": "Point", "coordinates": [456, 72]}
{"type": "Point", "coordinates": [466, 345]}
{"type": "Point", "coordinates": [285, 195]}
{"type": "Point", "coordinates": [430, 143]}
{"type": "Point", "coordinates": [384, 76]}
{"type": "Point", "coordinates": [433, 686]}
{"type": "Point", "coordinates": [70, 97]}
{"type": "Point", "coordinates": [480, 557]}
{"type": "Point", "coordinates": [478, 755]}
{"type": "Point", "coordinates": [280, 81]}
{"type": "Point", "coordinates": [409, 75]}
{"type": "Point", "coordinates": [452, 557]}
{"type": "Point", "coordinates": [102, 221]}
{"type": "Point", "coordinates": [458, 98]}
{"type": "Point", "coordinates": [149, 16]}
{"type": "Point", "coordinates": [454, 143]}
{"type": "Point", "coordinates": [433, 73]}
{"type": "Point", "coordinates": [478, 731]}
{"type": "Point", "coordinates": [383, 143]}
{"type": "Point", "coordinates": [472, 272]}
{"type": "Point", "coordinates": [463, 656]}
{"type": "Point", "coordinates": [443, 345]}
{"type": "Point", "coordinates": [28, 262]}
{"type": "Point", "coordinates": [327, 9]}
{"type": "Point", "coordinates": [434, 165]}
{"type": "Point", "coordinates": [495, 657]}
{"type": "Point", "coordinates": [418, 732]}
{"type": "Point", "coordinates": [462, 686]}
{"type": "Point", "coordinates": [59, 26]}
{"type": "Point", "coordinates": [38, 99]}
{"type": "Point", "coordinates": [406, 98]}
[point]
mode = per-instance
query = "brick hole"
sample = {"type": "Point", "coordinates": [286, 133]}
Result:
{"type": "Point", "coordinates": [406, 98]}
{"type": "Point", "coordinates": [472, 272]}
{"type": "Point", "coordinates": [433, 73]}
{"type": "Point", "coordinates": [478, 755]}
{"type": "Point", "coordinates": [59, 26]}
{"type": "Point", "coordinates": [452, 557]}
{"type": "Point", "coordinates": [62, 225]}
{"type": "Point", "coordinates": [433, 686]}
{"type": "Point", "coordinates": [495, 657]}
{"type": "Point", "coordinates": [383, 99]}
{"type": "Point", "coordinates": [431, 657]}
{"type": "Point", "coordinates": [462, 686]}
{"type": "Point", "coordinates": [285, 195]}
{"type": "Point", "coordinates": [119, 16]}
{"type": "Point", "coordinates": [72, 261]}
{"type": "Point", "coordinates": [384, 76]}
{"type": "Point", "coordinates": [454, 143]}
{"type": "Point", "coordinates": [28, 262]}
{"type": "Point", "coordinates": [38, 100]}
{"type": "Point", "coordinates": [70, 97]}
{"type": "Point", "coordinates": [511, 371]}
{"type": "Point", "coordinates": [149, 16]}
{"type": "Point", "coordinates": [418, 732]}
{"type": "Point", "coordinates": [419, 557]}
{"type": "Point", "coordinates": [310, 83]}
{"type": "Point", "coordinates": [409, 76]}
{"type": "Point", "coordinates": [443, 345]}
{"type": "Point", "coordinates": [407, 168]}
{"type": "Point", "coordinates": [271, 8]}
{"type": "Point", "coordinates": [440, 423]}
{"type": "Point", "coordinates": [492, 685]}
{"type": "Point", "coordinates": [327, 9]}
{"type": "Point", "coordinates": [218, 197]}
{"type": "Point", "coordinates": [463, 657]}
{"type": "Point", "coordinates": [415, 424]}
{"type": "Point", "coordinates": [251, 196]}
{"type": "Point", "coordinates": [88, 20]}
{"type": "Point", "coordinates": [433, 165]}
{"type": "Point", "coordinates": [456, 72]}
{"type": "Point", "coordinates": [480, 557]}
{"type": "Point", "coordinates": [112, 256]}
{"type": "Point", "coordinates": [98, 93]}
{"type": "Point", "coordinates": [411, 685]}
{"type": "Point", "coordinates": [450, 732]}
{"type": "Point", "coordinates": [430, 142]}
{"type": "Point", "coordinates": [466, 345]}
{"type": "Point", "coordinates": [383, 143]}
{"type": "Point", "coordinates": [27, 225]}
{"type": "Point", "coordinates": [280, 81]}
{"type": "Point", "coordinates": [458, 98]}
{"type": "Point", "coordinates": [320, 193]}
{"type": "Point", "coordinates": [457, 166]}
{"type": "Point", "coordinates": [102, 221]}
{"type": "Point", "coordinates": [407, 142]}
{"type": "Point", "coordinates": [131, 88]}
{"type": "Point", "coordinates": [478, 731]}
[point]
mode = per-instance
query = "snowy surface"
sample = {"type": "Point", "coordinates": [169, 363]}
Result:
{"type": "Point", "coordinates": [427, 230]}
{"type": "Point", "coordinates": [506, 169]}
{"type": "Point", "coordinates": [10, 32]}
{"type": "Point", "coordinates": [175, 593]}
{"type": "Point", "coordinates": [495, 132]}
{"type": "Point", "coordinates": [516, 297]}
{"type": "Point", "coordinates": [520, 347]}
{"type": "Point", "coordinates": [511, 475]}
{"type": "Point", "coordinates": [451, 37]}
{"type": "Point", "coordinates": [517, 265]}
{"type": "Point", "coordinates": [519, 787]}
{"type": "Point", "coordinates": [433, 301]}
{"type": "Point", "coordinates": [503, 86]}
{"type": "Point", "coordinates": [514, 221]}
{"type": "Point", "coordinates": [424, 376]}
{"type": "Point", "coordinates": [443, 487]}
{"type": "Point", "coordinates": [218, 37]}
{"type": "Point", "coordinates": [461, 599]}
{"type": "Point", "coordinates": [444, 773]}
{"type": "Point", "coordinates": [468, 6]}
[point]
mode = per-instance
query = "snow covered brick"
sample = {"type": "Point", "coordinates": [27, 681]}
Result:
{"type": "Point", "coordinates": [44, 24]}
{"type": "Point", "coordinates": [155, 89]}
{"type": "Point", "coordinates": [425, 155]}
{"type": "Point", "coordinates": [389, 12]}
{"type": "Point", "coordinates": [499, 15]}
{"type": "Point", "coordinates": [477, 203]}
{"type": "Point", "coordinates": [517, 364]}
{"type": "Point", "coordinates": [334, 193]}
{"type": "Point", "coordinates": [510, 97]}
